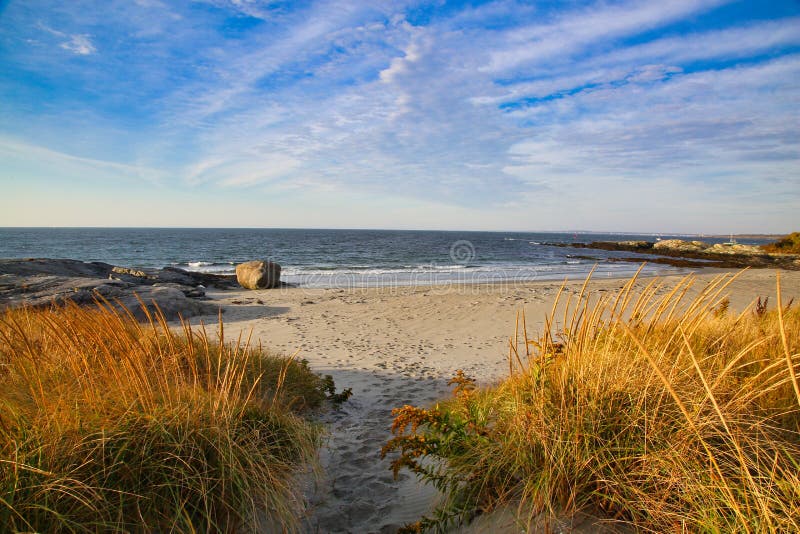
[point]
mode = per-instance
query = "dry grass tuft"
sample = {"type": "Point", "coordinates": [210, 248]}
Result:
{"type": "Point", "coordinates": [644, 407]}
{"type": "Point", "coordinates": [789, 244]}
{"type": "Point", "coordinates": [107, 425]}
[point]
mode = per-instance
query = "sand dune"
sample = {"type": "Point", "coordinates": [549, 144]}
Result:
{"type": "Point", "coordinates": [396, 346]}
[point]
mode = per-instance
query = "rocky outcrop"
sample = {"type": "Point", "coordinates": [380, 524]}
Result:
{"type": "Point", "coordinates": [680, 245]}
{"type": "Point", "coordinates": [259, 274]}
{"type": "Point", "coordinates": [694, 254]}
{"type": "Point", "coordinates": [42, 282]}
{"type": "Point", "coordinates": [65, 267]}
{"type": "Point", "coordinates": [136, 273]}
{"type": "Point", "coordinates": [748, 250]}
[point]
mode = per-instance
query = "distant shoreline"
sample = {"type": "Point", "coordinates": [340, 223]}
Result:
{"type": "Point", "coordinates": [740, 236]}
{"type": "Point", "coordinates": [258, 228]}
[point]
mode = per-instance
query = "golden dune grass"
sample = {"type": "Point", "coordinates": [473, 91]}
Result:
{"type": "Point", "coordinates": [660, 412]}
{"type": "Point", "coordinates": [107, 425]}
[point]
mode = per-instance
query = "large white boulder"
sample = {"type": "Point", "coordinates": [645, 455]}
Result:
{"type": "Point", "coordinates": [258, 274]}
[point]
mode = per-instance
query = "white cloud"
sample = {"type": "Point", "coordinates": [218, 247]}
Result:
{"type": "Point", "coordinates": [252, 8]}
{"type": "Point", "coordinates": [250, 173]}
{"type": "Point", "coordinates": [650, 61]}
{"type": "Point", "coordinates": [574, 31]}
{"type": "Point", "coordinates": [410, 130]}
{"type": "Point", "coordinates": [350, 96]}
{"type": "Point", "coordinates": [652, 73]}
{"type": "Point", "coordinates": [244, 169]}
{"type": "Point", "coordinates": [400, 65]}
{"type": "Point", "coordinates": [306, 34]}
{"type": "Point", "coordinates": [148, 4]}
{"type": "Point", "coordinates": [727, 43]}
{"type": "Point", "coordinates": [730, 129]}
{"type": "Point", "coordinates": [59, 163]}
{"type": "Point", "coordinates": [79, 44]}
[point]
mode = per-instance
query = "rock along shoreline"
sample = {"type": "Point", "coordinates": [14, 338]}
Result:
{"type": "Point", "coordinates": [693, 254]}
{"type": "Point", "coordinates": [41, 282]}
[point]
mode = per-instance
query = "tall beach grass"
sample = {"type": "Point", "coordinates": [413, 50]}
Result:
{"type": "Point", "coordinates": [108, 425]}
{"type": "Point", "coordinates": [653, 410]}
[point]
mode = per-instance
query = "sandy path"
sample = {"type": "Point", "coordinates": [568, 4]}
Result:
{"type": "Point", "coordinates": [396, 346]}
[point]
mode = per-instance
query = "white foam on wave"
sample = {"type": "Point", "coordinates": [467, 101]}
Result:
{"type": "Point", "coordinates": [357, 275]}
{"type": "Point", "coordinates": [443, 267]}
{"type": "Point", "coordinates": [208, 267]}
{"type": "Point", "coordinates": [311, 271]}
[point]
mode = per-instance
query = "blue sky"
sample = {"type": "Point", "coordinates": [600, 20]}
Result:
{"type": "Point", "coordinates": [678, 116]}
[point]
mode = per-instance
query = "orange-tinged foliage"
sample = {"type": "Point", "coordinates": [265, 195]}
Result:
{"type": "Point", "coordinates": [108, 425]}
{"type": "Point", "coordinates": [662, 412]}
{"type": "Point", "coordinates": [789, 244]}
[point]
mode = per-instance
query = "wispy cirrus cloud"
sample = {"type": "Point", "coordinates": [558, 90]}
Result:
{"type": "Point", "coordinates": [573, 31]}
{"type": "Point", "coordinates": [658, 58]}
{"type": "Point", "coordinates": [479, 107]}
{"type": "Point", "coordinates": [80, 44]}
{"type": "Point", "coordinates": [728, 129]}
{"type": "Point", "coordinates": [56, 164]}
{"type": "Point", "coordinates": [244, 171]}
{"type": "Point", "coordinates": [412, 127]}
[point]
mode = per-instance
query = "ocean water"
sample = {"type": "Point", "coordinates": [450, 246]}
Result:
{"type": "Point", "coordinates": [337, 258]}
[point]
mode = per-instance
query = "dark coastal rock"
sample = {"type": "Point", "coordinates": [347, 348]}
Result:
{"type": "Point", "coordinates": [198, 291]}
{"type": "Point", "coordinates": [258, 274]}
{"type": "Point", "coordinates": [172, 302]}
{"type": "Point", "coordinates": [637, 244]}
{"type": "Point", "coordinates": [80, 269]}
{"type": "Point", "coordinates": [694, 254]}
{"type": "Point", "coordinates": [42, 282]}
{"type": "Point", "coordinates": [174, 275]}
{"type": "Point", "coordinates": [34, 266]}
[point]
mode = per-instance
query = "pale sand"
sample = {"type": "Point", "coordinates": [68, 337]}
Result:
{"type": "Point", "coordinates": [396, 346]}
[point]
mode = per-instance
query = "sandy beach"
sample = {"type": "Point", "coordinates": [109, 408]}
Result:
{"type": "Point", "coordinates": [213, 211]}
{"type": "Point", "coordinates": [399, 345]}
